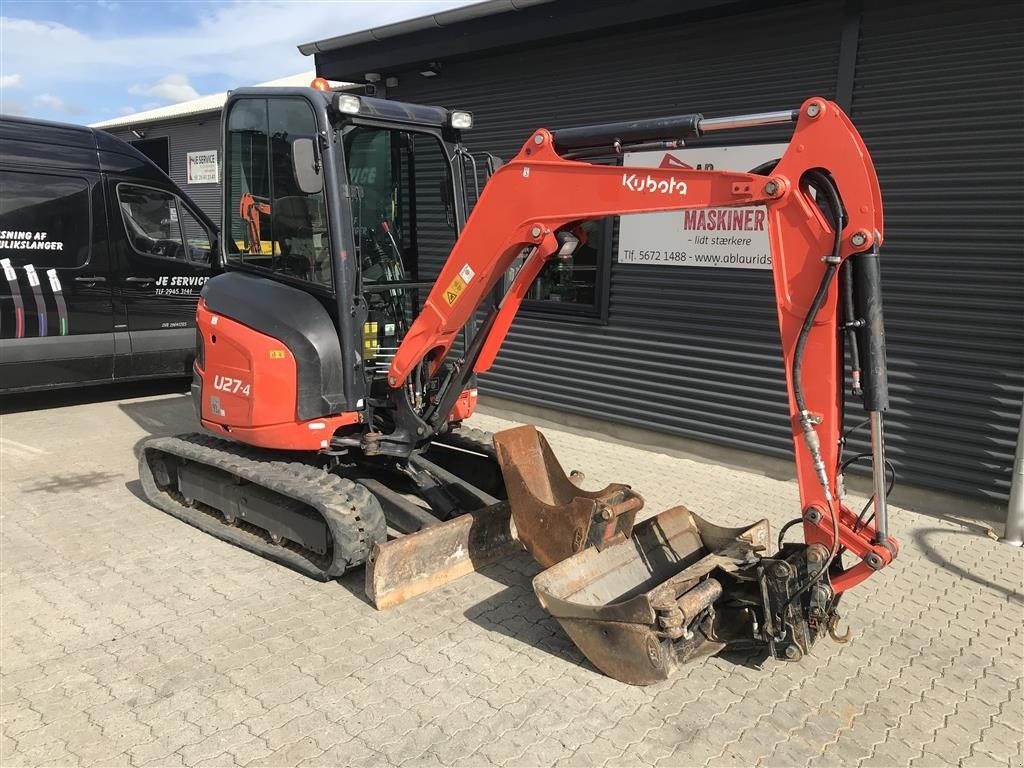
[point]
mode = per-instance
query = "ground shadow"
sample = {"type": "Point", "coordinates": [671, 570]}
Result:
{"type": "Point", "coordinates": [62, 398]}
{"type": "Point", "coordinates": [163, 416]}
{"type": "Point", "coordinates": [134, 487]}
{"type": "Point", "coordinates": [515, 612]}
{"type": "Point", "coordinates": [921, 538]}
{"type": "Point", "coordinates": [69, 482]}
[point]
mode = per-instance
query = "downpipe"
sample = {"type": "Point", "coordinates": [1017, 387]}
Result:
{"type": "Point", "coordinates": [1014, 533]}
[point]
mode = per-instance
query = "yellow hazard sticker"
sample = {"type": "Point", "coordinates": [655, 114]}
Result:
{"type": "Point", "coordinates": [277, 354]}
{"type": "Point", "coordinates": [454, 290]}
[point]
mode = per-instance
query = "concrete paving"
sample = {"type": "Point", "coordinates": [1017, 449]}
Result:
{"type": "Point", "coordinates": [129, 638]}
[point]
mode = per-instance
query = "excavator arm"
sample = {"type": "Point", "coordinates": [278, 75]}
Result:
{"type": "Point", "coordinates": [534, 202]}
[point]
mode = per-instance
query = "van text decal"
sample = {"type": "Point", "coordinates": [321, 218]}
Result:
{"type": "Point", "coordinates": [16, 240]}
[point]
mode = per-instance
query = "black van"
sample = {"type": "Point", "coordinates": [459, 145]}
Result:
{"type": "Point", "coordinates": [102, 258]}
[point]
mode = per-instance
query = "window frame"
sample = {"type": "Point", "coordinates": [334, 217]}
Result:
{"type": "Point", "coordinates": [424, 130]}
{"type": "Point", "coordinates": [235, 260]}
{"type": "Point", "coordinates": [597, 312]}
{"type": "Point", "coordinates": [180, 203]}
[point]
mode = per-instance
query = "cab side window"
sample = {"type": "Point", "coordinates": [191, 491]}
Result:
{"type": "Point", "coordinates": [159, 225]}
{"type": "Point", "coordinates": [272, 221]}
{"type": "Point", "coordinates": [44, 220]}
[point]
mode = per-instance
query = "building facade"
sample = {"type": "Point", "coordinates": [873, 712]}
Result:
{"type": "Point", "coordinates": [693, 351]}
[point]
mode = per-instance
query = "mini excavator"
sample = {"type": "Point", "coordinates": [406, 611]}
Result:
{"type": "Point", "coordinates": [332, 379]}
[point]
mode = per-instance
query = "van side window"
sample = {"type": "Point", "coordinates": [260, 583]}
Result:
{"type": "Point", "coordinates": [159, 225]}
{"type": "Point", "coordinates": [44, 220]}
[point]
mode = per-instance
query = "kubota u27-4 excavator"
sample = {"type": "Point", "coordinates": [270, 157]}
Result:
{"type": "Point", "coordinates": [335, 380]}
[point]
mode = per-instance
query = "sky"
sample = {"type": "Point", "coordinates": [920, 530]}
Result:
{"type": "Point", "coordinates": [82, 61]}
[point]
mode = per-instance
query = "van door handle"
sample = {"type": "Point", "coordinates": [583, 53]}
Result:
{"type": "Point", "coordinates": [90, 279]}
{"type": "Point", "coordinates": [143, 280]}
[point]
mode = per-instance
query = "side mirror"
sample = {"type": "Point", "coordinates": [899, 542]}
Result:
{"type": "Point", "coordinates": [493, 164]}
{"type": "Point", "coordinates": [306, 166]}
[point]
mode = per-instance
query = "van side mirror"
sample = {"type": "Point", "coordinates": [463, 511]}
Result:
{"type": "Point", "coordinates": [493, 164]}
{"type": "Point", "coordinates": [306, 166]}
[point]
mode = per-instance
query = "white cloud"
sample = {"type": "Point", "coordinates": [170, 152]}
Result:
{"type": "Point", "coordinates": [232, 43]}
{"type": "Point", "coordinates": [10, 81]}
{"type": "Point", "coordinates": [171, 88]}
{"type": "Point", "coordinates": [263, 48]}
{"type": "Point", "coordinates": [55, 104]}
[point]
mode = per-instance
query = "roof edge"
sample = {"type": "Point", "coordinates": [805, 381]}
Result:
{"type": "Point", "coordinates": [431, 21]}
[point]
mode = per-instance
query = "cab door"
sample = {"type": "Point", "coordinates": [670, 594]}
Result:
{"type": "Point", "coordinates": [56, 314]}
{"type": "Point", "coordinates": [165, 257]}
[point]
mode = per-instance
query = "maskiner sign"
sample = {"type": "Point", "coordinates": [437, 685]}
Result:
{"type": "Point", "coordinates": [202, 167]}
{"type": "Point", "coordinates": [735, 238]}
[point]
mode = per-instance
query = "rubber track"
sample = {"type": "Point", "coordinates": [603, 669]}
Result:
{"type": "Point", "coordinates": [353, 515]}
{"type": "Point", "coordinates": [475, 440]}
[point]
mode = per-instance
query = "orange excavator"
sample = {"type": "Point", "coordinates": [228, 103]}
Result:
{"type": "Point", "coordinates": [333, 376]}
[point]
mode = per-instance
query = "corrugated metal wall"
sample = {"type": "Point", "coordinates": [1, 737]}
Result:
{"type": "Point", "coordinates": [689, 351]}
{"type": "Point", "coordinates": [694, 352]}
{"type": "Point", "coordinates": [939, 99]}
{"type": "Point", "coordinates": [196, 133]}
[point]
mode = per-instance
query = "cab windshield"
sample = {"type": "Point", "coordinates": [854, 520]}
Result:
{"type": "Point", "coordinates": [403, 214]}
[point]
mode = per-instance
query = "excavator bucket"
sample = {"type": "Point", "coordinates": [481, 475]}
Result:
{"type": "Point", "coordinates": [637, 601]}
{"type": "Point", "coordinates": [555, 518]}
{"type": "Point", "coordinates": [630, 607]}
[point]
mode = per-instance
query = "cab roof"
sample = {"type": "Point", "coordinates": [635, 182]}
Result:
{"type": "Point", "coordinates": [372, 107]}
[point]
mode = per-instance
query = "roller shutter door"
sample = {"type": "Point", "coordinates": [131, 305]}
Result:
{"type": "Point", "coordinates": [939, 99]}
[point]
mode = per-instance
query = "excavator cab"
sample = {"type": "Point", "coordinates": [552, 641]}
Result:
{"type": "Point", "coordinates": [348, 201]}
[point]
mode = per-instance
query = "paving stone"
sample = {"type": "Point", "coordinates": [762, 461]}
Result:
{"type": "Point", "coordinates": [158, 645]}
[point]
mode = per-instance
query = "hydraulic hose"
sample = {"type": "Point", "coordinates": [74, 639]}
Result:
{"type": "Point", "coordinates": [831, 196]}
{"type": "Point", "coordinates": [850, 325]}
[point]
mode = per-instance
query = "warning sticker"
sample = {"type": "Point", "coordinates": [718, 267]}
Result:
{"type": "Point", "coordinates": [467, 274]}
{"type": "Point", "coordinates": [277, 354]}
{"type": "Point", "coordinates": [454, 290]}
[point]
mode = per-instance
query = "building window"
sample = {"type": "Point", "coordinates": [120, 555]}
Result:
{"type": "Point", "coordinates": [576, 286]}
{"type": "Point", "coordinates": [156, 150]}
{"type": "Point", "coordinates": [158, 225]}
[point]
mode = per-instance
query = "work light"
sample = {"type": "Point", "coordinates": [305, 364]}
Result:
{"type": "Point", "coordinates": [347, 103]}
{"type": "Point", "coordinates": [462, 120]}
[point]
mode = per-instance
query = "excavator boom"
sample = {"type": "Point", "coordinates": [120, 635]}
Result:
{"type": "Point", "coordinates": [534, 202]}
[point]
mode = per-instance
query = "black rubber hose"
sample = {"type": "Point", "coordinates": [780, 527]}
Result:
{"type": "Point", "coordinates": [824, 184]}
{"type": "Point", "coordinates": [849, 320]}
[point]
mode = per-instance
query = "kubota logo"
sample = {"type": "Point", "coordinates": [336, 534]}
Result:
{"type": "Point", "coordinates": [635, 183]}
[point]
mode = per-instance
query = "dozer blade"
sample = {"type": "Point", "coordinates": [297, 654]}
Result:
{"type": "Point", "coordinates": [554, 517]}
{"type": "Point", "coordinates": [411, 565]}
{"type": "Point", "coordinates": [640, 607]}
